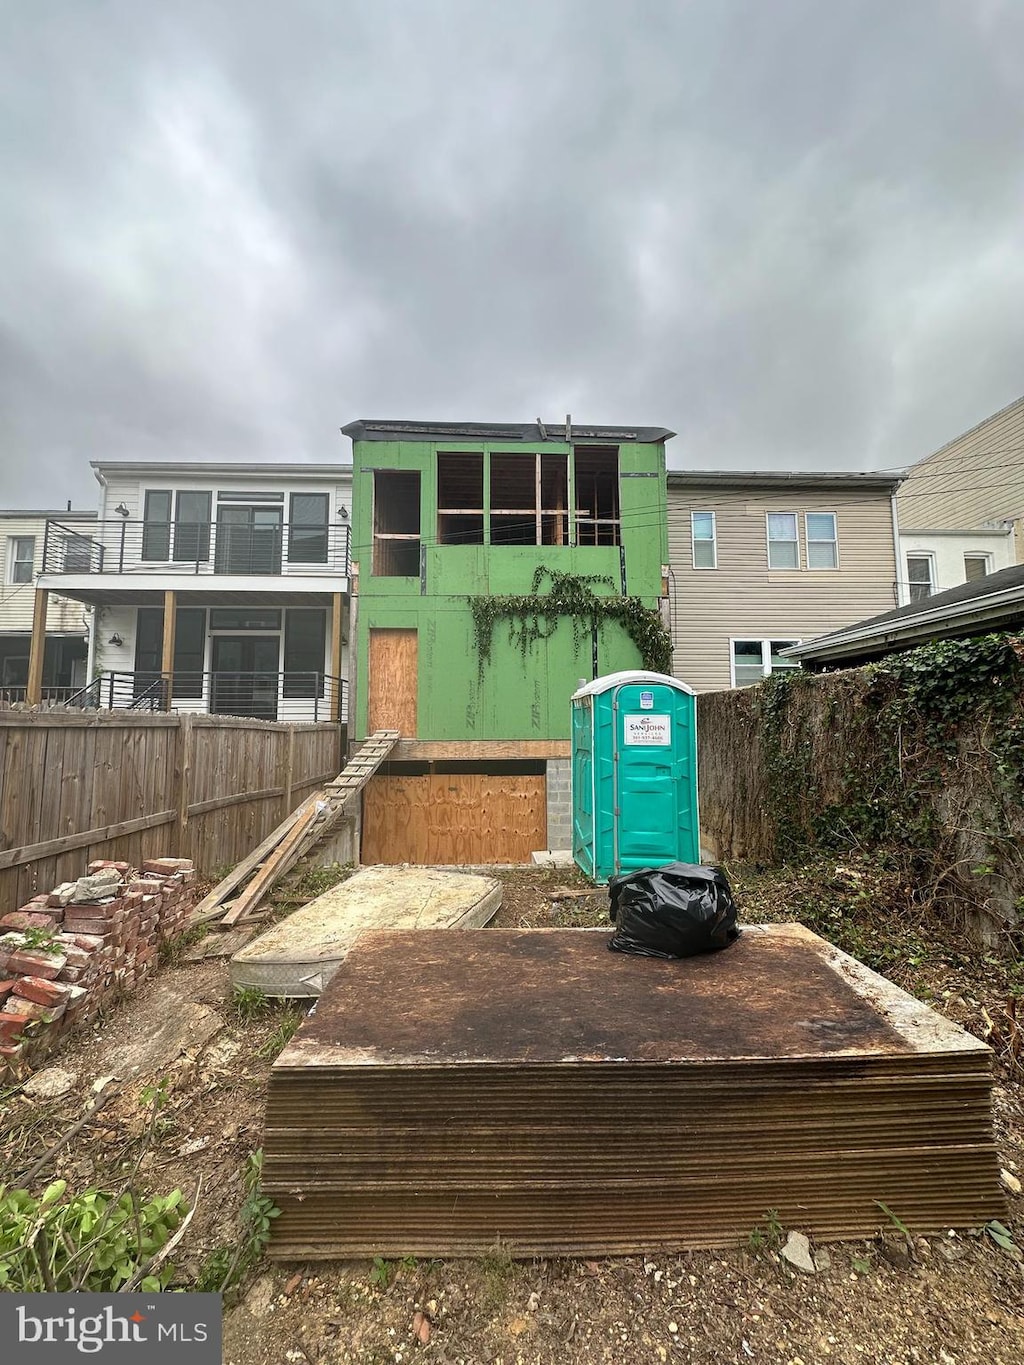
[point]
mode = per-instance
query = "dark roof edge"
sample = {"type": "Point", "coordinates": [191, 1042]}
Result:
{"type": "Point", "coordinates": [770, 478]}
{"type": "Point", "coordinates": [390, 429]}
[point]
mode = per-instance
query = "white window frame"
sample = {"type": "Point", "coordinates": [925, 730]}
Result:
{"type": "Point", "coordinates": [713, 542]}
{"type": "Point", "coordinates": [12, 559]}
{"type": "Point", "coordinates": [808, 542]}
{"type": "Point", "coordinates": [929, 557]}
{"type": "Point", "coordinates": [766, 655]}
{"type": "Point", "coordinates": [782, 568]}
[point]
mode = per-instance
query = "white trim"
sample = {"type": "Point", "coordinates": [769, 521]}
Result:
{"type": "Point", "coordinates": [12, 540]}
{"type": "Point", "coordinates": [821, 568]}
{"type": "Point", "coordinates": [782, 568]}
{"type": "Point", "coordinates": [704, 541]}
{"type": "Point", "coordinates": [766, 642]}
{"type": "Point", "coordinates": [977, 554]}
{"type": "Point", "coordinates": [901, 591]}
{"type": "Point", "coordinates": [928, 555]}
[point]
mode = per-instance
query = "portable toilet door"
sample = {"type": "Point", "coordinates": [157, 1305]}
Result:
{"type": "Point", "coordinates": [641, 809]}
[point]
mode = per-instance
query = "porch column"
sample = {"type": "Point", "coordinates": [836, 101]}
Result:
{"type": "Point", "coordinates": [37, 649]}
{"type": "Point", "coordinates": [167, 653]}
{"type": "Point", "coordinates": [337, 617]}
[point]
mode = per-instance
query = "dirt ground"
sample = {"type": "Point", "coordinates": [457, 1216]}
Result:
{"type": "Point", "coordinates": [952, 1299]}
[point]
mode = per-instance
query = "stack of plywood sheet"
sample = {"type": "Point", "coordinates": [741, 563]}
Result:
{"type": "Point", "coordinates": [531, 1086]}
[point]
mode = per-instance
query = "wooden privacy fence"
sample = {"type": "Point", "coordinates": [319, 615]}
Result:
{"type": "Point", "coordinates": [74, 787]}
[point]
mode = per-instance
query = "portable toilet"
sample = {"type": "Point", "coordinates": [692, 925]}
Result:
{"type": "Point", "coordinates": [634, 774]}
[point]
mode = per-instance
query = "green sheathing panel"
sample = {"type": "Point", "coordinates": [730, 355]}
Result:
{"type": "Point", "coordinates": [515, 697]}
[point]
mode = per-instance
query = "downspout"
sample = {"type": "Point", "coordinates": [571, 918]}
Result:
{"type": "Point", "coordinates": [902, 597]}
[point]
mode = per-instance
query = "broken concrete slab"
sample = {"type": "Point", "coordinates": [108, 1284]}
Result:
{"type": "Point", "coordinates": [797, 1252]}
{"type": "Point", "coordinates": [181, 1024]}
{"type": "Point", "coordinates": [297, 957]}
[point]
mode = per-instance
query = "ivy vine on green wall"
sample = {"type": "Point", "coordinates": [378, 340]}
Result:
{"type": "Point", "coordinates": [535, 616]}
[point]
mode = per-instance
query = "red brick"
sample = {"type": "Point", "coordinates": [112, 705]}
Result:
{"type": "Point", "coordinates": [42, 992]}
{"type": "Point", "coordinates": [23, 962]}
{"type": "Point", "coordinates": [102, 864]}
{"type": "Point", "coordinates": [104, 909]}
{"type": "Point", "coordinates": [11, 1026]}
{"type": "Point", "coordinates": [26, 919]}
{"type": "Point", "coordinates": [5, 989]}
{"type": "Point", "coordinates": [92, 928]}
{"type": "Point", "coordinates": [166, 865]}
{"type": "Point", "coordinates": [87, 942]}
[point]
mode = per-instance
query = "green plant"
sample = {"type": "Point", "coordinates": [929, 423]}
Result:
{"type": "Point", "coordinates": [769, 1234]}
{"type": "Point", "coordinates": [249, 1002]}
{"type": "Point", "coordinates": [381, 1272]}
{"type": "Point", "coordinates": [172, 950]}
{"type": "Point", "coordinates": [290, 1021]}
{"type": "Point", "coordinates": [38, 939]}
{"type": "Point", "coordinates": [535, 615]}
{"type": "Point", "coordinates": [93, 1241]}
{"type": "Point", "coordinates": [1001, 1235]}
{"type": "Point", "coordinates": [897, 1223]}
{"type": "Point", "coordinates": [226, 1265]}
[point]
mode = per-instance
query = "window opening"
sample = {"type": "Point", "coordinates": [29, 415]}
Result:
{"type": "Point", "coordinates": [822, 540]}
{"type": "Point", "coordinates": [529, 499]}
{"type": "Point", "coordinates": [460, 498]}
{"type": "Point", "coordinates": [596, 471]}
{"type": "Point", "coordinates": [192, 527]}
{"type": "Point", "coordinates": [702, 527]}
{"type": "Point", "coordinates": [156, 525]}
{"type": "Point", "coordinates": [396, 523]}
{"type": "Point", "coordinates": [975, 567]}
{"type": "Point", "coordinates": [305, 644]}
{"type": "Point", "coordinates": [753, 660]}
{"type": "Point", "coordinates": [23, 552]}
{"type": "Point", "coordinates": [920, 576]}
{"type": "Point", "coordinates": [783, 545]}
{"type": "Point", "coordinates": [307, 530]}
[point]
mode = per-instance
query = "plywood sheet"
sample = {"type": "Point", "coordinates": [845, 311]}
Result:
{"type": "Point", "coordinates": [454, 818]}
{"type": "Point", "coordinates": [297, 957]}
{"type": "Point", "coordinates": [392, 680]}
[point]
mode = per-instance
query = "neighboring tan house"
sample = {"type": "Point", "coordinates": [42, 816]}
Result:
{"type": "Point", "coordinates": [219, 588]}
{"type": "Point", "coordinates": [22, 536]}
{"type": "Point", "coordinates": [448, 511]}
{"type": "Point", "coordinates": [961, 509]}
{"type": "Point", "coordinates": [760, 561]}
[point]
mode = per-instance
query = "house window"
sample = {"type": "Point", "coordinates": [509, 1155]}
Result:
{"type": "Point", "coordinates": [156, 525]}
{"type": "Point", "coordinates": [192, 528]}
{"type": "Point", "coordinates": [307, 530]}
{"type": "Point", "coordinates": [189, 651]}
{"type": "Point", "coordinates": [702, 532]}
{"type": "Point", "coordinates": [975, 567]}
{"type": "Point", "coordinates": [920, 576]}
{"type": "Point", "coordinates": [529, 499]}
{"type": "Point", "coordinates": [596, 479]}
{"type": "Point", "coordinates": [77, 553]}
{"type": "Point", "coordinates": [245, 618]}
{"type": "Point", "coordinates": [753, 660]}
{"type": "Point", "coordinates": [783, 545]}
{"type": "Point", "coordinates": [305, 642]}
{"type": "Point", "coordinates": [460, 498]}
{"type": "Point", "coordinates": [22, 559]}
{"type": "Point", "coordinates": [396, 523]}
{"type": "Point", "coordinates": [822, 540]}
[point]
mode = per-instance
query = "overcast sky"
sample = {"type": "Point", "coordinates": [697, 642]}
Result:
{"type": "Point", "coordinates": [789, 230]}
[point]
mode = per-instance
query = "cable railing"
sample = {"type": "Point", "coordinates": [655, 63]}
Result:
{"type": "Point", "coordinates": [293, 695]}
{"type": "Point", "coordinates": [191, 547]}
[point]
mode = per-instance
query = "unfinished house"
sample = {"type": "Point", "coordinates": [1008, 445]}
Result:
{"type": "Point", "coordinates": [450, 521]}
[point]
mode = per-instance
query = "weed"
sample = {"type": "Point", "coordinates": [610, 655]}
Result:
{"type": "Point", "coordinates": [227, 1265]}
{"type": "Point", "coordinates": [290, 1021]}
{"type": "Point", "coordinates": [1001, 1235]}
{"type": "Point", "coordinates": [897, 1223]}
{"type": "Point", "coordinates": [498, 1269]}
{"type": "Point", "coordinates": [249, 1003]}
{"type": "Point", "coordinates": [381, 1272]}
{"type": "Point", "coordinates": [767, 1235]}
{"type": "Point", "coordinates": [172, 950]}
{"type": "Point", "coordinates": [39, 939]}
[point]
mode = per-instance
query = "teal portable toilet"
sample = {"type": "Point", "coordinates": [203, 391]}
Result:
{"type": "Point", "coordinates": [634, 774]}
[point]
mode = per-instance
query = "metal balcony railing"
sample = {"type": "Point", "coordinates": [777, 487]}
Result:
{"type": "Point", "coordinates": [288, 696]}
{"type": "Point", "coordinates": [210, 547]}
{"type": "Point", "coordinates": [10, 694]}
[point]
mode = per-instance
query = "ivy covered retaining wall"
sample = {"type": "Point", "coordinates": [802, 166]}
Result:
{"type": "Point", "coordinates": [919, 757]}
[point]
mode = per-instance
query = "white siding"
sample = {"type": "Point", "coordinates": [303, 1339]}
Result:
{"type": "Point", "coordinates": [948, 550]}
{"type": "Point", "coordinates": [63, 617]}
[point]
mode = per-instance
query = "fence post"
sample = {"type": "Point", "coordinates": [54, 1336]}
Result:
{"type": "Point", "coordinates": [183, 769]}
{"type": "Point", "coordinates": [289, 771]}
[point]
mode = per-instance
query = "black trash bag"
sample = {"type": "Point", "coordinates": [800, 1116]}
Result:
{"type": "Point", "coordinates": [678, 910]}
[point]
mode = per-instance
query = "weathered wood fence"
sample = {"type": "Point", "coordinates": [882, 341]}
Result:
{"type": "Point", "coordinates": [74, 787]}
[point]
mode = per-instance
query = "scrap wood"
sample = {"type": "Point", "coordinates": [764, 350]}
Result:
{"type": "Point", "coordinates": [566, 893]}
{"type": "Point", "coordinates": [282, 858]}
{"type": "Point", "coordinates": [209, 907]}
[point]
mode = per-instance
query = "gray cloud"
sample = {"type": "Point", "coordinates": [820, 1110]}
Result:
{"type": "Point", "coordinates": [789, 231]}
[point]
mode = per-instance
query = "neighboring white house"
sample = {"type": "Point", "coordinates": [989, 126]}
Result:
{"type": "Point", "coordinates": [217, 588]}
{"type": "Point", "coordinates": [933, 561]}
{"type": "Point", "coordinates": [22, 536]}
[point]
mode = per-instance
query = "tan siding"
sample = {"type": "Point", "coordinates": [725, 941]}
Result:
{"type": "Point", "coordinates": [742, 598]}
{"type": "Point", "coordinates": [976, 478]}
{"type": "Point", "coordinates": [16, 599]}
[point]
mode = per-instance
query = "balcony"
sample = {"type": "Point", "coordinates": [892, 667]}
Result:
{"type": "Point", "coordinates": [289, 696]}
{"type": "Point", "coordinates": [170, 549]}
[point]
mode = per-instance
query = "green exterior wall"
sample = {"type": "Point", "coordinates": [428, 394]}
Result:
{"type": "Point", "coordinates": [515, 698]}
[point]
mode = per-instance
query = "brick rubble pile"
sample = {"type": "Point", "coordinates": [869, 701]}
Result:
{"type": "Point", "coordinates": [65, 954]}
